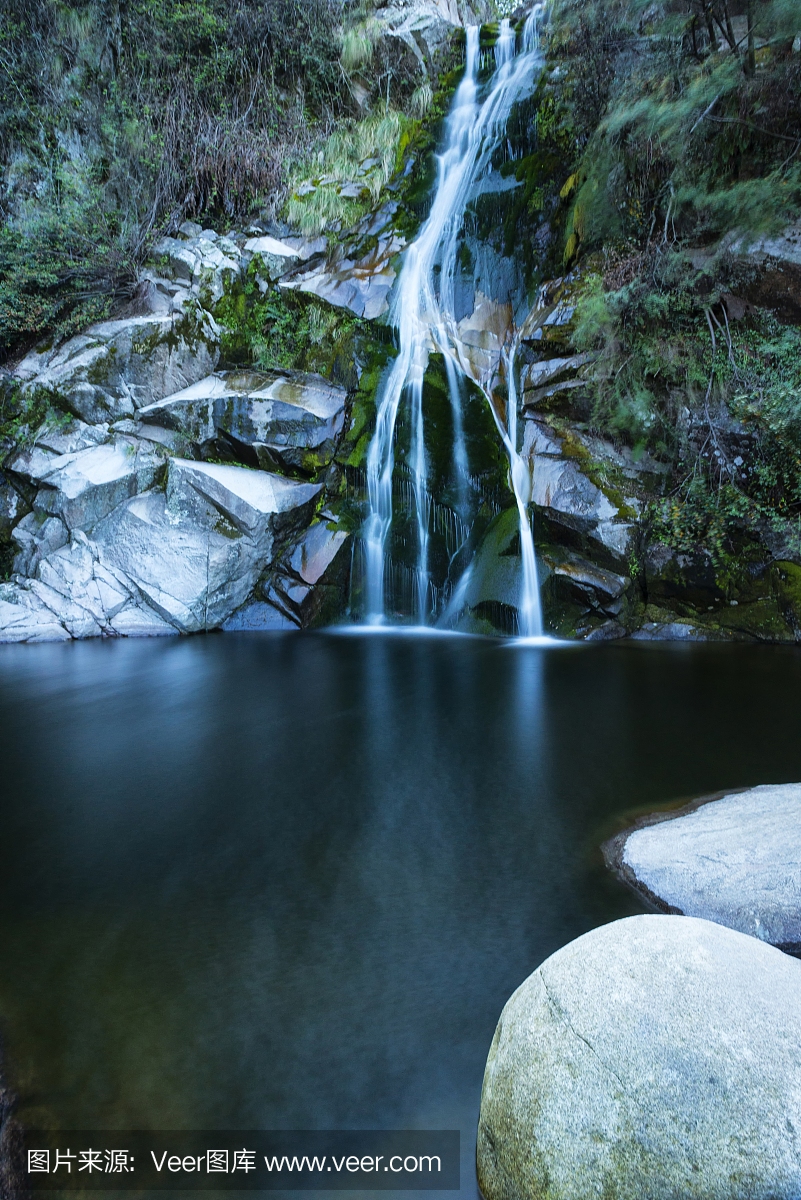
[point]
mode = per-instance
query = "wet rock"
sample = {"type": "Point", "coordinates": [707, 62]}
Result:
{"type": "Point", "coordinates": [562, 488]}
{"type": "Point", "coordinates": [656, 1056]}
{"type": "Point", "coordinates": [596, 586]}
{"type": "Point", "coordinates": [308, 575]}
{"type": "Point", "coordinates": [286, 417]}
{"type": "Point", "coordinates": [674, 631]}
{"type": "Point", "coordinates": [361, 285]}
{"type": "Point", "coordinates": [735, 860]}
{"type": "Point", "coordinates": [258, 616]}
{"type": "Point", "coordinates": [537, 375]}
{"type": "Point", "coordinates": [496, 574]}
{"type": "Point", "coordinates": [118, 366]}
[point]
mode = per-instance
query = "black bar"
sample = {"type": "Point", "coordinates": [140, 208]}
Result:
{"type": "Point", "coordinates": [241, 1160]}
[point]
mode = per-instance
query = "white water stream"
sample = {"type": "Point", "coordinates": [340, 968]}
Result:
{"type": "Point", "coordinates": [423, 315]}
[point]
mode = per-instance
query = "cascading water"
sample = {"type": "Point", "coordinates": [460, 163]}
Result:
{"type": "Point", "coordinates": [423, 316]}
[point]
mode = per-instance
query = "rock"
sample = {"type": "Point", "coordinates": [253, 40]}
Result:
{"type": "Point", "coordinates": [654, 1057]}
{"type": "Point", "coordinates": [73, 596]}
{"type": "Point", "coordinates": [276, 256]}
{"type": "Point", "coordinates": [84, 487]}
{"type": "Point", "coordinates": [23, 618]}
{"type": "Point", "coordinates": [674, 631]}
{"type": "Point", "coordinates": [734, 860]}
{"type": "Point", "coordinates": [118, 366]}
{"type": "Point", "coordinates": [286, 417]}
{"type": "Point", "coordinates": [361, 285]}
{"type": "Point", "coordinates": [496, 572]}
{"type": "Point", "coordinates": [205, 263]}
{"type": "Point", "coordinates": [308, 572]}
{"type": "Point", "coordinates": [550, 371]}
{"type": "Point", "coordinates": [560, 486]}
{"type": "Point", "coordinates": [194, 555]}
{"type": "Point", "coordinates": [316, 551]}
{"type": "Point", "coordinates": [258, 616]}
{"type": "Point", "coordinates": [594, 585]}
{"type": "Point", "coordinates": [37, 535]}
{"type": "Point", "coordinates": [254, 502]}
{"type": "Point", "coordinates": [12, 506]}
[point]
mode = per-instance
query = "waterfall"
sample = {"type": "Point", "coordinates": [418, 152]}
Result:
{"type": "Point", "coordinates": [423, 316]}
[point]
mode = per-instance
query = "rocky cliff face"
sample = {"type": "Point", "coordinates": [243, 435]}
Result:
{"type": "Point", "coordinates": [161, 496]}
{"type": "Point", "coordinates": [199, 461]}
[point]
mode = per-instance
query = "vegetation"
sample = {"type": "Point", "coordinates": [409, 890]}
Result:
{"type": "Point", "coordinates": [118, 119]}
{"type": "Point", "coordinates": [680, 135]}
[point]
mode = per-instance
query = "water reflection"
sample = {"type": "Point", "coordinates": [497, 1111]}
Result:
{"type": "Point", "coordinates": [289, 881]}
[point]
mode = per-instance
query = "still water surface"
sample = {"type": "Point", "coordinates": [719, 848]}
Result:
{"type": "Point", "coordinates": [289, 881]}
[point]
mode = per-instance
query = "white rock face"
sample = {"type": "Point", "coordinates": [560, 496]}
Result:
{"type": "Point", "coordinates": [84, 487]}
{"type": "Point", "coordinates": [282, 415]}
{"type": "Point", "coordinates": [736, 861]}
{"type": "Point", "coordinates": [118, 366]}
{"type": "Point", "coordinates": [360, 285]}
{"type": "Point", "coordinates": [559, 484]}
{"type": "Point", "coordinates": [74, 596]}
{"type": "Point", "coordinates": [656, 1057]}
{"type": "Point", "coordinates": [207, 263]}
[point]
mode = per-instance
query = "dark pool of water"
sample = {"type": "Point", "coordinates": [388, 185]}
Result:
{"type": "Point", "coordinates": [289, 881]}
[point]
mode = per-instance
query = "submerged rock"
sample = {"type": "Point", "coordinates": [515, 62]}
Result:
{"type": "Point", "coordinates": [735, 860]}
{"type": "Point", "coordinates": [654, 1057]}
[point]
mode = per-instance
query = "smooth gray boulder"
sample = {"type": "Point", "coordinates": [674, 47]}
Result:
{"type": "Point", "coordinates": [655, 1058]}
{"type": "Point", "coordinates": [286, 417]}
{"type": "Point", "coordinates": [116, 367]}
{"type": "Point", "coordinates": [735, 860]}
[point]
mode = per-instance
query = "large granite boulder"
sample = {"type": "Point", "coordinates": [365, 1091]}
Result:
{"type": "Point", "coordinates": [115, 367]}
{"type": "Point", "coordinates": [655, 1058]}
{"type": "Point", "coordinates": [735, 860]}
{"type": "Point", "coordinates": [287, 418]}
